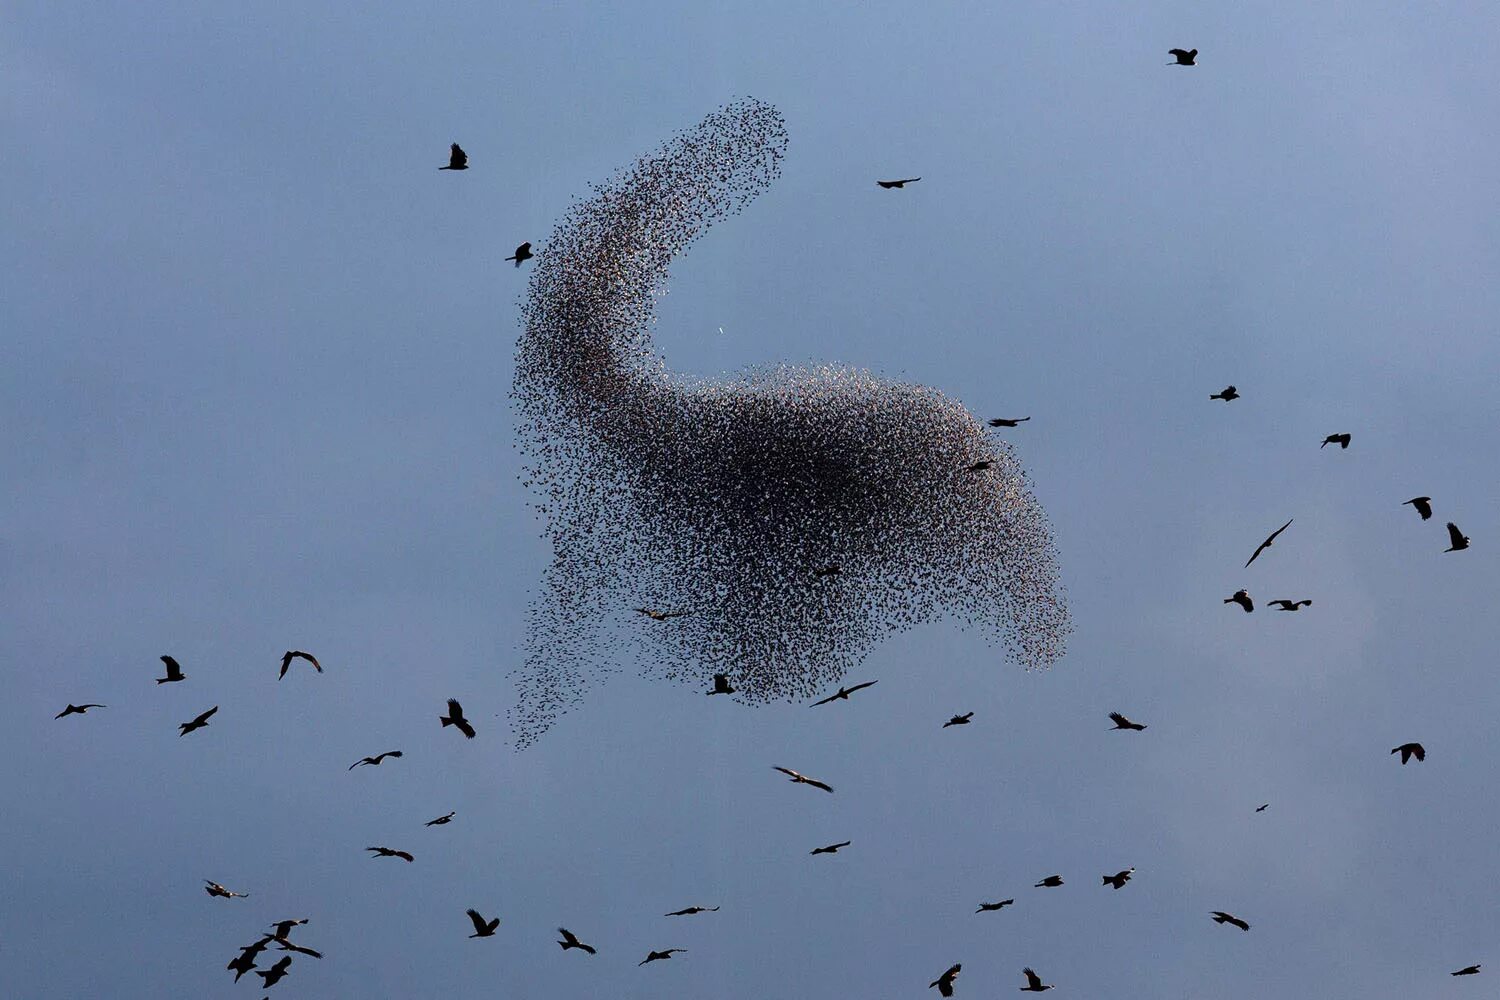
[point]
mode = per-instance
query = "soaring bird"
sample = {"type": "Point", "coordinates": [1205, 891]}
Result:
{"type": "Point", "coordinates": [274, 974]}
{"type": "Point", "coordinates": [1184, 57]}
{"type": "Point", "coordinates": [570, 941]}
{"type": "Point", "coordinates": [1342, 440]}
{"type": "Point", "coordinates": [991, 907]}
{"type": "Point", "coordinates": [1229, 392]}
{"type": "Point", "coordinates": [386, 852]}
{"type": "Point", "coordinates": [1118, 879]}
{"type": "Point", "coordinates": [721, 685]}
{"type": "Point", "coordinates": [980, 465]}
{"type": "Point", "coordinates": [1050, 882]}
{"type": "Point", "coordinates": [1033, 983]}
{"type": "Point", "coordinates": [1267, 543]}
{"type": "Point", "coordinates": [830, 849]}
{"type": "Point", "coordinates": [440, 821]}
{"type": "Point", "coordinates": [457, 158]}
{"type": "Point", "coordinates": [481, 928]}
{"type": "Point", "coordinates": [1286, 605]}
{"type": "Point", "coordinates": [944, 983]}
{"type": "Point", "coordinates": [843, 693]}
{"type": "Point", "coordinates": [1422, 504]}
{"type": "Point", "coordinates": [1410, 750]}
{"type": "Point", "coordinates": [661, 616]}
{"type": "Point", "coordinates": [245, 960]}
{"type": "Point", "coordinates": [1123, 723]}
{"type": "Point", "coordinates": [898, 184]}
{"type": "Point", "coordinates": [692, 910]}
{"type": "Point", "coordinates": [802, 779]}
{"type": "Point", "coordinates": [455, 717]}
{"type": "Point", "coordinates": [375, 760]}
{"type": "Point", "coordinates": [197, 723]}
{"type": "Point", "coordinates": [215, 889]}
{"type": "Point", "coordinates": [1468, 970]}
{"type": "Point", "coordinates": [1220, 917]}
{"type": "Point", "coordinates": [959, 720]}
{"type": "Point", "coordinates": [1262, 808]}
{"type": "Point", "coordinates": [523, 253]}
{"type": "Point", "coordinates": [297, 654]}
{"type": "Point", "coordinates": [1006, 422]}
{"type": "Point", "coordinates": [657, 956]}
{"type": "Point", "coordinates": [284, 928]}
{"type": "Point", "coordinates": [174, 671]}
{"type": "Point", "coordinates": [1242, 598]}
{"type": "Point", "coordinates": [1457, 540]}
{"type": "Point", "coordinates": [76, 710]}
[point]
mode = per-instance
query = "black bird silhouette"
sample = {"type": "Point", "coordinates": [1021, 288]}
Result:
{"type": "Point", "coordinates": [1123, 723]}
{"type": "Point", "coordinates": [215, 889]}
{"type": "Point", "coordinates": [440, 821]}
{"type": "Point", "coordinates": [1267, 543]}
{"type": "Point", "coordinates": [657, 956]}
{"type": "Point", "coordinates": [692, 910]}
{"type": "Point", "coordinates": [375, 761]}
{"type": "Point", "coordinates": [1422, 504]}
{"type": "Point", "coordinates": [991, 907]}
{"type": "Point", "coordinates": [1033, 983]}
{"type": "Point", "coordinates": [803, 779]}
{"type": "Point", "coordinates": [1457, 540]}
{"type": "Point", "coordinates": [274, 974]}
{"type": "Point", "coordinates": [73, 709]}
{"type": "Point", "coordinates": [1220, 917]}
{"type": "Point", "coordinates": [297, 654]}
{"type": "Point", "coordinates": [1242, 598]}
{"type": "Point", "coordinates": [245, 960]}
{"type": "Point", "coordinates": [570, 941]}
{"type": "Point", "coordinates": [832, 569]}
{"type": "Point", "coordinates": [944, 983]}
{"type": "Point", "coordinates": [661, 616]}
{"type": "Point", "coordinates": [980, 466]}
{"type": "Point", "coordinates": [1410, 750]}
{"type": "Point", "coordinates": [197, 723]}
{"type": "Point", "coordinates": [1118, 879]}
{"type": "Point", "coordinates": [455, 717]}
{"type": "Point", "coordinates": [386, 852]}
{"type": "Point", "coordinates": [1050, 882]}
{"type": "Point", "coordinates": [1342, 440]}
{"type": "Point", "coordinates": [1286, 605]}
{"type": "Point", "coordinates": [481, 928]}
{"type": "Point", "coordinates": [174, 672]}
{"type": "Point", "coordinates": [1262, 808]}
{"type": "Point", "coordinates": [1229, 392]}
{"type": "Point", "coordinates": [959, 720]}
{"type": "Point", "coordinates": [721, 685]}
{"type": "Point", "coordinates": [1004, 422]}
{"type": "Point", "coordinates": [1468, 970]}
{"type": "Point", "coordinates": [1184, 57]}
{"type": "Point", "coordinates": [523, 253]}
{"type": "Point", "coordinates": [830, 849]}
{"type": "Point", "coordinates": [843, 693]}
{"type": "Point", "coordinates": [284, 928]}
{"type": "Point", "coordinates": [457, 158]}
{"type": "Point", "coordinates": [896, 184]}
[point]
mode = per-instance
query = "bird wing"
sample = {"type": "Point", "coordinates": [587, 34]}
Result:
{"type": "Point", "coordinates": [455, 710]}
{"type": "Point", "coordinates": [479, 924]}
{"type": "Point", "coordinates": [824, 701]}
{"type": "Point", "coordinates": [862, 686]}
{"type": "Point", "coordinates": [788, 771]}
{"type": "Point", "coordinates": [311, 659]}
{"type": "Point", "coordinates": [818, 784]}
{"type": "Point", "coordinates": [1033, 981]}
{"type": "Point", "coordinates": [173, 669]}
{"type": "Point", "coordinates": [1419, 751]}
{"type": "Point", "coordinates": [1118, 719]}
{"type": "Point", "coordinates": [567, 935]}
{"type": "Point", "coordinates": [362, 760]}
{"type": "Point", "coordinates": [1455, 537]}
{"type": "Point", "coordinates": [206, 715]}
{"type": "Point", "coordinates": [403, 855]}
{"type": "Point", "coordinates": [286, 661]}
{"type": "Point", "coordinates": [465, 728]}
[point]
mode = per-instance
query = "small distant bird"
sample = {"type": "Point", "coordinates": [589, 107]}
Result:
{"type": "Point", "coordinates": [1004, 422]}
{"type": "Point", "coordinates": [657, 956]}
{"type": "Point", "coordinates": [832, 569]}
{"type": "Point", "coordinates": [1050, 882]}
{"type": "Point", "coordinates": [1342, 440]}
{"type": "Point", "coordinates": [1468, 970]}
{"type": "Point", "coordinates": [386, 852]}
{"type": "Point", "coordinates": [980, 466]}
{"type": "Point", "coordinates": [991, 907]}
{"type": "Point", "coordinates": [1229, 392]}
{"type": "Point", "coordinates": [843, 693]}
{"type": "Point", "coordinates": [440, 821]}
{"type": "Point", "coordinates": [1123, 723]}
{"type": "Point", "coordinates": [959, 720]}
{"type": "Point", "coordinates": [375, 761]}
{"type": "Point", "coordinates": [1118, 879]}
{"type": "Point", "coordinates": [802, 779]}
{"type": "Point", "coordinates": [831, 848]}
{"type": "Point", "coordinates": [1457, 540]}
{"type": "Point", "coordinates": [76, 710]}
{"type": "Point", "coordinates": [523, 253]}
{"type": "Point", "coordinates": [1242, 598]}
{"type": "Point", "coordinates": [661, 616]}
{"type": "Point", "coordinates": [297, 654]}
{"type": "Point", "coordinates": [898, 184]}
{"type": "Point", "coordinates": [1220, 917]}
{"type": "Point", "coordinates": [481, 928]}
{"type": "Point", "coordinates": [274, 974]}
{"type": "Point", "coordinates": [721, 685]}
{"type": "Point", "coordinates": [1286, 605]}
{"type": "Point", "coordinates": [1267, 543]}
{"type": "Point", "coordinates": [570, 941]}
{"type": "Point", "coordinates": [288, 946]}
{"type": "Point", "coordinates": [1033, 983]}
{"type": "Point", "coordinates": [1262, 808]}
{"type": "Point", "coordinates": [457, 158]}
{"type": "Point", "coordinates": [1422, 504]}
{"type": "Point", "coordinates": [1410, 750]}
{"type": "Point", "coordinates": [1184, 57]}
{"type": "Point", "coordinates": [284, 928]}
{"type": "Point", "coordinates": [174, 672]}
{"type": "Point", "coordinates": [245, 961]}
{"type": "Point", "coordinates": [215, 889]}
{"type": "Point", "coordinates": [197, 723]}
{"type": "Point", "coordinates": [455, 717]}
{"type": "Point", "coordinates": [944, 983]}
{"type": "Point", "coordinates": [691, 910]}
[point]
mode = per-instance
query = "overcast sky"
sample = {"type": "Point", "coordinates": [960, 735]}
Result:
{"type": "Point", "coordinates": [257, 359]}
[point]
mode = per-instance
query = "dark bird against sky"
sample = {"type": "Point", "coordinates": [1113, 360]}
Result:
{"type": "Point", "coordinates": [73, 709]}
{"type": "Point", "coordinates": [658, 956]}
{"type": "Point", "coordinates": [386, 852]}
{"type": "Point", "coordinates": [481, 927]}
{"type": "Point", "coordinates": [1266, 544]}
{"type": "Point", "coordinates": [1050, 882]}
{"type": "Point", "coordinates": [174, 672]}
{"type": "Point", "coordinates": [944, 983]}
{"type": "Point", "coordinates": [992, 907]}
{"type": "Point", "coordinates": [455, 718]}
{"type": "Point", "coordinates": [570, 941]}
{"type": "Point", "coordinates": [898, 184]}
{"type": "Point", "coordinates": [1123, 723]}
{"type": "Point", "coordinates": [1457, 540]}
{"type": "Point", "coordinates": [275, 973]}
{"type": "Point", "coordinates": [721, 685]}
{"type": "Point", "coordinates": [1007, 421]}
{"type": "Point", "coordinates": [802, 779]}
{"type": "Point", "coordinates": [440, 821]}
{"type": "Point", "coordinates": [1423, 506]}
{"type": "Point", "coordinates": [1118, 879]}
{"type": "Point", "coordinates": [522, 254]}
{"type": "Point", "coordinates": [1220, 917]}
{"type": "Point", "coordinates": [1242, 598]}
{"type": "Point", "coordinates": [959, 720]}
{"type": "Point", "coordinates": [1183, 57]}
{"type": "Point", "coordinates": [297, 654]}
{"type": "Point", "coordinates": [1227, 394]}
{"type": "Point", "coordinates": [831, 848]}
{"type": "Point", "coordinates": [1410, 750]}
{"type": "Point", "coordinates": [1033, 983]}
{"type": "Point", "coordinates": [692, 910]}
{"type": "Point", "coordinates": [198, 722]}
{"type": "Point", "coordinates": [375, 760]}
{"type": "Point", "coordinates": [1286, 605]}
{"type": "Point", "coordinates": [843, 693]}
{"type": "Point", "coordinates": [1342, 440]}
{"type": "Point", "coordinates": [457, 158]}
{"type": "Point", "coordinates": [215, 889]}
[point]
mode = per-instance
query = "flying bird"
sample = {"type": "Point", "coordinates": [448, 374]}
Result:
{"type": "Point", "coordinates": [76, 710]}
{"type": "Point", "coordinates": [440, 821]}
{"type": "Point", "coordinates": [1423, 506]}
{"type": "Point", "coordinates": [297, 654]}
{"type": "Point", "coordinates": [1468, 970]}
{"type": "Point", "coordinates": [245, 960]}
{"type": "Point", "coordinates": [1220, 917]}
{"type": "Point", "coordinates": [1410, 750]}
{"type": "Point", "coordinates": [802, 779]}
{"type": "Point", "coordinates": [1123, 723]}
{"type": "Point", "coordinates": [661, 616]}
{"type": "Point", "coordinates": [1262, 808]}
{"type": "Point", "coordinates": [215, 889]}
{"type": "Point", "coordinates": [980, 465]}
{"type": "Point", "coordinates": [691, 910]}
{"type": "Point", "coordinates": [1342, 440]}
{"type": "Point", "coordinates": [285, 945]}
{"type": "Point", "coordinates": [1050, 882]}
{"type": "Point", "coordinates": [570, 941]}
{"type": "Point", "coordinates": [1457, 540]}
{"type": "Point", "coordinates": [455, 717]}
{"type": "Point", "coordinates": [1267, 543]}
{"type": "Point", "coordinates": [1005, 422]}
{"type": "Point", "coordinates": [386, 852]}
{"type": "Point", "coordinates": [991, 907]}
{"type": "Point", "coordinates": [1229, 392]}
{"type": "Point", "coordinates": [375, 761]}
{"type": "Point", "coordinates": [1033, 983]}
{"type": "Point", "coordinates": [197, 723]}
{"type": "Point", "coordinates": [898, 184]}
{"type": "Point", "coordinates": [843, 693]}
{"type": "Point", "coordinates": [1118, 879]}
{"type": "Point", "coordinates": [721, 685]}
{"type": "Point", "coordinates": [657, 956]}
{"type": "Point", "coordinates": [959, 720]}
{"type": "Point", "coordinates": [481, 928]}
{"type": "Point", "coordinates": [944, 983]}
{"type": "Point", "coordinates": [1286, 605]}
{"type": "Point", "coordinates": [1242, 598]}
{"type": "Point", "coordinates": [831, 848]}
{"type": "Point", "coordinates": [174, 671]}
{"type": "Point", "coordinates": [284, 928]}
{"type": "Point", "coordinates": [1184, 57]}
{"type": "Point", "coordinates": [523, 253]}
{"type": "Point", "coordinates": [457, 158]}
{"type": "Point", "coordinates": [274, 974]}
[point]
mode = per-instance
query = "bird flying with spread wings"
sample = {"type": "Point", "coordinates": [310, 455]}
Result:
{"type": "Point", "coordinates": [691, 910]}
{"type": "Point", "coordinates": [1423, 506]}
{"type": "Point", "coordinates": [457, 158]}
{"type": "Point", "coordinates": [1184, 57]}
{"type": "Point", "coordinates": [1457, 540]}
{"type": "Point", "coordinates": [1243, 599]}
{"type": "Point", "coordinates": [571, 941]}
{"type": "Point", "coordinates": [959, 720]}
{"type": "Point", "coordinates": [198, 723]}
{"type": "Point", "coordinates": [843, 693]}
{"type": "Point", "coordinates": [1050, 882]}
{"type": "Point", "coordinates": [1342, 440]}
{"type": "Point", "coordinates": [1123, 723]}
{"type": "Point", "coordinates": [481, 928]}
{"type": "Point", "coordinates": [802, 779]}
{"type": "Point", "coordinates": [1033, 983]}
{"type": "Point", "coordinates": [657, 956]}
{"type": "Point", "coordinates": [386, 852]}
{"type": "Point", "coordinates": [523, 253]}
{"type": "Point", "coordinates": [992, 907]}
{"type": "Point", "coordinates": [375, 760]}
{"type": "Point", "coordinates": [1220, 917]}
{"type": "Point", "coordinates": [830, 849]}
{"type": "Point", "coordinates": [1008, 422]}
{"type": "Point", "coordinates": [455, 718]}
{"type": "Point", "coordinates": [174, 671]}
{"type": "Point", "coordinates": [898, 184]}
{"type": "Point", "coordinates": [297, 654]}
{"type": "Point", "coordinates": [1267, 543]}
{"type": "Point", "coordinates": [1118, 879]}
{"type": "Point", "coordinates": [1410, 750]}
{"type": "Point", "coordinates": [1228, 393]}
{"type": "Point", "coordinates": [440, 821]}
{"type": "Point", "coordinates": [73, 709]}
{"type": "Point", "coordinates": [721, 685]}
{"type": "Point", "coordinates": [215, 889]}
{"type": "Point", "coordinates": [944, 983]}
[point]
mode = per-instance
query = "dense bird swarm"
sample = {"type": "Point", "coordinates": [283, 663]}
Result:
{"type": "Point", "coordinates": [721, 498]}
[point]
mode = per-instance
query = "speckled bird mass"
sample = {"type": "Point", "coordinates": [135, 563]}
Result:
{"type": "Point", "coordinates": [724, 498]}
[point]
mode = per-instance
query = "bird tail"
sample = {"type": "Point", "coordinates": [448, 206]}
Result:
{"type": "Point", "coordinates": [445, 721]}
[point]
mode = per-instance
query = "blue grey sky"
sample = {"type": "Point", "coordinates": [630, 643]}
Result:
{"type": "Point", "coordinates": [257, 359]}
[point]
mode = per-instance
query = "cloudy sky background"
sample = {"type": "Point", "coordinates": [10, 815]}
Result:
{"type": "Point", "coordinates": [258, 353]}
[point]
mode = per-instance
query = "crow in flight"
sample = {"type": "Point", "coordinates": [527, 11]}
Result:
{"type": "Point", "coordinates": [843, 693]}
{"type": "Point", "coordinates": [802, 779]}
{"type": "Point", "coordinates": [197, 723]}
{"type": "Point", "coordinates": [1342, 440]}
{"type": "Point", "coordinates": [1286, 605]}
{"type": "Point", "coordinates": [76, 710]}
{"type": "Point", "coordinates": [991, 907]}
{"type": "Point", "coordinates": [245, 961]}
{"type": "Point", "coordinates": [1423, 506]}
{"type": "Point", "coordinates": [831, 848]}
{"type": "Point", "coordinates": [457, 158]}
{"type": "Point", "coordinates": [691, 910]}
{"type": "Point", "coordinates": [482, 929]}
{"type": "Point", "coordinates": [1410, 750]}
{"type": "Point", "coordinates": [174, 671]}
{"type": "Point", "coordinates": [898, 184]}
{"type": "Point", "coordinates": [1469, 970]}
{"type": "Point", "coordinates": [455, 717]}
{"type": "Point", "coordinates": [944, 983]}
{"type": "Point", "coordinates": [959, 720]}
{"type": "Point", "coordinates": [386, 852]}
{"type": "Point", "coordinates": [570, 941]}
{"type": "Point", "coordinates": [1457, 540]}
{"type": "Point", "coordinates": [297, 654]}
{"type": "Point", "coordinates": [1242, 598]}
{"type": "Point", "coordinates": [274, 974]}
{"type": "Point", "coordinates": [215, 889]}
{"type": "Point", "coordinates": [1220, 917]}
{"type": "Point", "coordinates": [1267, 543]}
{"type": "Point", "coordinates": [1118, 879]}
{"type": "Point", "coordinates": [1229, 392]}
{"type": "Point", "coordinates": [1004, 422]}
{"type": "Point", "coordinates": [1033, 983]}
{"type": "Point", "coordinates": [721, 685]}
{"type": "Point", "coordinates": [1262, 808]}
{"type": "Point", "coordinates": [1184, 57]}
{"type": "Point", "coordinates": [657, 956]}
{"type": "Point", "coordinates": [523, 253]}
{"type": "Point", "coordinates": [1050, 882]}
{"type": "Point", "coordinates": [440, 821]}
{"type": "Point", "coordinates": [375, 761]}
{"type": "Point", "coordinates": [1123, 723]}
{"type": "Point", "coordinates": [284, 928]}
